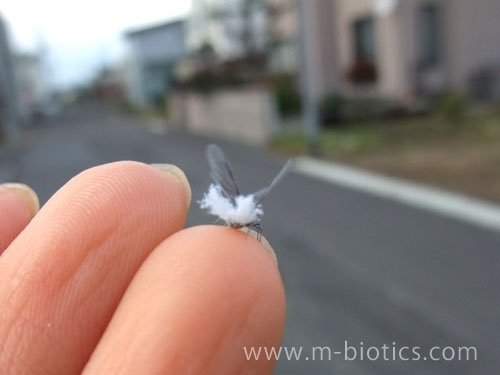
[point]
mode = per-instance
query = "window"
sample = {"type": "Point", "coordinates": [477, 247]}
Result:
{"type": "Point", "coordinates": [364, 39]}
{"type": "Point", "coordinates": [429, 32]}
{"type": "Point", "coordinates": [363, 70]}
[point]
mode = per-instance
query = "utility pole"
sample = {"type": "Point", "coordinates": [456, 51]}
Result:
{"type": "Point", "coordinates": [307, 76]}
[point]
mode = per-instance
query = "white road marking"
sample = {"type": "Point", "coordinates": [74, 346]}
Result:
{"type": "Point", "coordinates": [454, 205]}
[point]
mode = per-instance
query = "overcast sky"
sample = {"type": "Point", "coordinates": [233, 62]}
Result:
{"type": "Point", "coordinates": [81, 35]}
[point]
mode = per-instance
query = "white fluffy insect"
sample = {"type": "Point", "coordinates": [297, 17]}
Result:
{"type": "Point", "coordinates": [224, 199]}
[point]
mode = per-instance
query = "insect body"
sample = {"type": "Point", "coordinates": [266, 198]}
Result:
{"type": "Point", "coordinates": [224, 199]}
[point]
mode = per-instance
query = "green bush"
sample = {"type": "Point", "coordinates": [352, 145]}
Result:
{"type": "Point", "coordinates": [335, 109]}
{"type": "Point", "coordinates": [287, 96]}
{"type": "Point", "coordinates": [204, 81]}
{"type": "Point", "coordinates": [451, 108]}
{"type": "Point", "coordinates": [330, 109]}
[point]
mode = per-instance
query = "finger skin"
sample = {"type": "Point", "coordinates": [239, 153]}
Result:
{"type": "Point", "coordinates": [62, 278]}
{"type": "Point", "coordinates": [200, 297]}
{"type": "Point", "coordinates": [15, 214]}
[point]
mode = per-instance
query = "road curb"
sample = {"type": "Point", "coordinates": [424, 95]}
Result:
{"type": "Point", "coordinates": [472, 210]}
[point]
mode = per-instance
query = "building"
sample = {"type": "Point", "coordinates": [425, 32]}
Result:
{"type": "Point", "coordinates": [153, 54]}
{"type": "Point", "coordinates": [411, 48]}
{"type": "Point", "coordinates": [400, 50]}
{"type": "Point", "coordinates": [395, 49]}
{"type": "Point", "coordinates": [284, 54]}
{"type": "Point", "coordinates": [8, 94]}
{"type": "Point", "coordinates": [109, 84]}
{"type": "Point", "coordinates": [32, 95]}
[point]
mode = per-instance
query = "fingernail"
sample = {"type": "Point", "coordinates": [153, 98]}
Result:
{"type": "Point", "coordinates": [26, 193]}
{"type": "Point", "coordinates": [263, 241]}
{"type": "Point", "coordinates": [179, 176]}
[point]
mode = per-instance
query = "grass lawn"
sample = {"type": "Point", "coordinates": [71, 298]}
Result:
{"type": "Point", "coordinates": [463, 156]}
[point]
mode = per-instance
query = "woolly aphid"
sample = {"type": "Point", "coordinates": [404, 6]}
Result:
{"type": "Point", "coordinates": [224, 199]}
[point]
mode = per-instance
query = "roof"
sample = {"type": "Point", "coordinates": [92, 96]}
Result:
{"type": "Point", "coordinates": [147, 29]}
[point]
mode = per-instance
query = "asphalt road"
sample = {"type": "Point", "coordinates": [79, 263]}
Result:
{"type": "Point", "coordinates": [355, 267]}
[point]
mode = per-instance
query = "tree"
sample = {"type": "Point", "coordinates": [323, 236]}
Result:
{"type": "Point", "coordinates": [248, 25]}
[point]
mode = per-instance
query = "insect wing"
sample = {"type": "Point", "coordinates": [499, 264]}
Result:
{"type": "Point", "coordinates": [262, 193]}
{"type": "Point", "coordinates": [221, 171]}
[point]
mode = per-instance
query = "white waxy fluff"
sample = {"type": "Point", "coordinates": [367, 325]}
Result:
{"type": "Point", "coordinates": [243, 212]}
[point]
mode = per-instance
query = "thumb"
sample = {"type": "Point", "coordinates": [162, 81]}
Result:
{"type": "Point", "coordinates": [202, 297]}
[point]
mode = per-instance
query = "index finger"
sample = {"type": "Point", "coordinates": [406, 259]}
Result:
{"type": "Point", "coordinates": [62, 278]}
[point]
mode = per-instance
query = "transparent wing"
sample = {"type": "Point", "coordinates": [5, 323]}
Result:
{"type": "Point", "coordinates": [262, 193]}
{"type": "Point", "coordinates": [221, 171]}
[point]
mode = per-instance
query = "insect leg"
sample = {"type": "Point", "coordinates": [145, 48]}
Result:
{"type": "Point", "coordinates": [258, 230]}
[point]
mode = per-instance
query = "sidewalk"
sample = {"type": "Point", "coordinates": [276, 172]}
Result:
{"type": "Point", "coordinates": [447, 203]}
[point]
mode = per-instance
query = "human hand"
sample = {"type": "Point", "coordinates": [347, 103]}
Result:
{"type": "Point", "coordinates": [105, 280]}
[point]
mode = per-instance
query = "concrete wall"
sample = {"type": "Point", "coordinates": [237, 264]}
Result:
{"type": "Point", "coordinates": [243, 115]}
